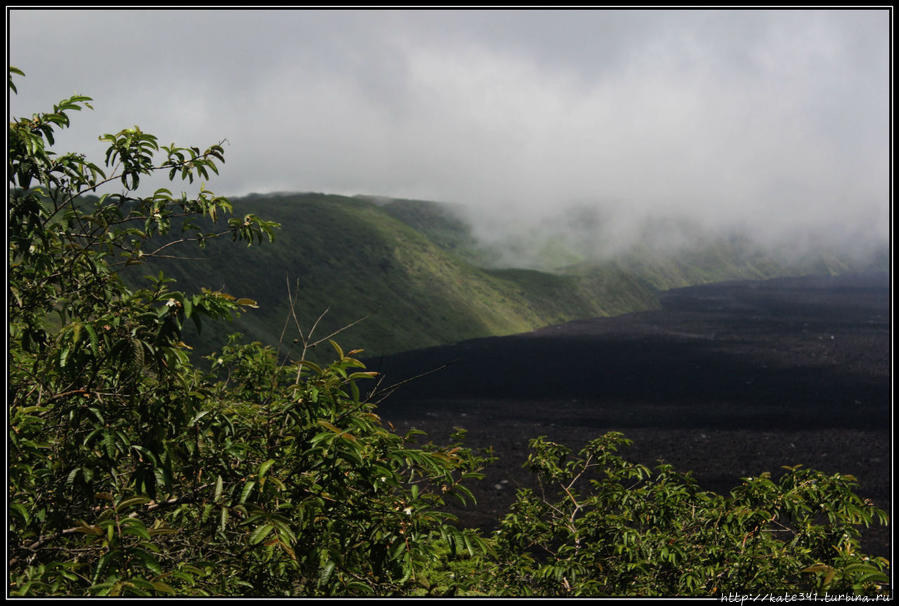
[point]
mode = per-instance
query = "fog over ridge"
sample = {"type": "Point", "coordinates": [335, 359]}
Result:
{"type": "Point", "coordinates": [765, 122]}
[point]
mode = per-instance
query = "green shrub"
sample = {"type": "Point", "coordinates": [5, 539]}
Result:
{"type": "Point", "coordinates": [604, 526]}
{"type": "Point", "coordinates": [131, 472]}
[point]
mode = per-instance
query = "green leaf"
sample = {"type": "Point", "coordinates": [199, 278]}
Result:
{"type": "Point", "coordinates": [101, 565]}
{"type": "Point", "coordinates": [163, 587]}
{"type": "Point", "coordinates": [407, 568]}
{"type": "Point", "coordinates": [325, 572]}
{"type": "Point", "coordinates": [198, 416]}
{"type": "Point", "coordinates": [148, 560]}
{"type": "Point", "coordinates": [247, 489]}
{"type": "Point", "coordinates": [135, 527]}
{"type": "Point", "coordinates": [468, 544]}
{"type": "Point", "coordinates": [258, 535]}
{"type": "Point", "coordinates": [93, 338]}
{"type": "Point", "coordinates": [398, 550]}
{"type": "Point", "coordinates": [21, 511]}
{"type": "Point", "coordinates": [84, 528]}
{"type": "Point", "coordinates": [263, 469]}
{"type": "Point", "coordinates": [217, 493]}
{"type": "Point", "coordinates": [223, 519]}
{"type": "Point", "coordinates": [124, 505]}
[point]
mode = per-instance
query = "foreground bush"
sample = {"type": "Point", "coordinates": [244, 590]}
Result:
{"type": "Point", "coordinates": [131, 472]}
{"type": "Point", "coordinates": [134, 472]}
{"type": "Point", "coordinates": [606, 526]}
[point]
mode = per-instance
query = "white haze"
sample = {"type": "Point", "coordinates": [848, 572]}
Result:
{"type": "Point", "coordinates": [771, 122]}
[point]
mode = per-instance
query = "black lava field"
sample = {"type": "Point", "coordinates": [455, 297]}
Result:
{"type": "Point", "coordinates": [726, 380]}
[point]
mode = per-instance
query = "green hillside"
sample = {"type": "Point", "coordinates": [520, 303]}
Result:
{"type": "Point", "coordinates": [440, 222]}
{"type": "Point", "coordinates": [351, 257]}
{"type": "Point", "coordinates": [411, 269]}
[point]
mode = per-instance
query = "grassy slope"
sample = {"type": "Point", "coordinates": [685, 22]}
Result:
{"type": "Point", "coordinates": [410, 267]}
{"type": "Point", "coordinates": [354, 259]}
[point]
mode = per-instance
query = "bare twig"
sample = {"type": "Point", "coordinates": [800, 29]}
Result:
{"type": "Point", "coordinates": [336, 332]}
{"type": "Point", "coordinates": [390, 389]}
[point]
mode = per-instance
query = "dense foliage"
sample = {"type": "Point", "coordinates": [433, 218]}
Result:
{"type": "Point", "coordinates": [133, 471]}
{"type": "Point", "coordinates": [606, 526]}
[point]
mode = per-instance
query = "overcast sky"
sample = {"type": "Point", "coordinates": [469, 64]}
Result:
{"type": "Point", "coordinates": [773, 119]}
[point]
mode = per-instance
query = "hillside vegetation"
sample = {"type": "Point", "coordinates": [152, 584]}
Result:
{"type": "Point", "coordinates": [416, 274]}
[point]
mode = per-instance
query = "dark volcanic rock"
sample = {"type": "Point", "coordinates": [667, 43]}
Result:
{"type": "Point", "coordinates": [726, 380]}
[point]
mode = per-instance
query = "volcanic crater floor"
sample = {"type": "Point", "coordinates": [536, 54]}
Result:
{"type": "Point", "coordinates": [726, 381]}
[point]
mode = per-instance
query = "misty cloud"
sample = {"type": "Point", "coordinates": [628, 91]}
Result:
{"type": "Point", "coordinates": [773, 121]}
